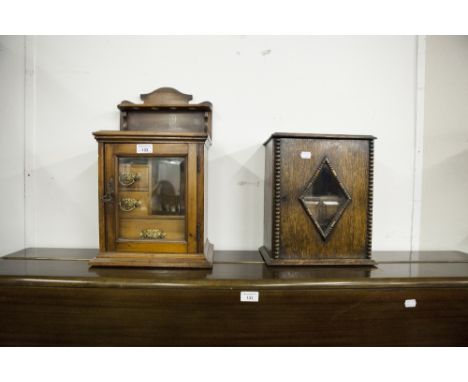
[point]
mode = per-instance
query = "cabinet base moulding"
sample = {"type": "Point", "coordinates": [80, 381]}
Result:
{"type": "Point", "coordinates": [314, 262]}
{"type": "Point", "coordinates": [155, 260]}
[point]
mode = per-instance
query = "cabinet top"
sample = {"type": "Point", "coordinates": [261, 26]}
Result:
{"type": "Point", "coordinates": [120, 136]}
{"type": "Point", "coordinates": [319, 136]}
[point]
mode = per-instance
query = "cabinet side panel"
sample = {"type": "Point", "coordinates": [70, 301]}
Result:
{"type": "Point", "coordinates": [370, 199]}
{"type": "Point", "coordinates": [102, 218]}
{"type": "Point", "coordinates": [268, 196]}
{"type": "Point", "coordinates": [202, 195]}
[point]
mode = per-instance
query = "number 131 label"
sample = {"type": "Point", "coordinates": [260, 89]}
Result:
{"type": "Point", "coordinates": [249, 296]}
{"type": "Point", "coordinates": [144, 149]}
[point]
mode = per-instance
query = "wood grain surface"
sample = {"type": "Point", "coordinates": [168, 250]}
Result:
{"type": "Point", "coordinates": [50, 297]}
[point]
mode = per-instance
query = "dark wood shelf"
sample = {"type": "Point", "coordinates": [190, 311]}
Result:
{"type": "Point", "coordinates": [178, 108]}
{"type": "Point", "coordinates": [52, 297]}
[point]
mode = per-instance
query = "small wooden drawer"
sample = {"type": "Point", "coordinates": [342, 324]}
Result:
{"type": "Point", "coordinates": [172, 227]}
{"type": "Point", "coordinates": [133, 176]}
{"type": "Point", "coordinates": [133, 204]}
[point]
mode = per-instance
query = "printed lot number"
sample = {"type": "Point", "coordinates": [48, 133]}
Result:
{"type": "Point", "coordinates": [144, 148]}
{"type": "Point", "coordinates": [249, 296]}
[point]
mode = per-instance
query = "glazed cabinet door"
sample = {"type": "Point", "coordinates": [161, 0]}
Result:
{"type": "Point", "coordinates": [151, 203]}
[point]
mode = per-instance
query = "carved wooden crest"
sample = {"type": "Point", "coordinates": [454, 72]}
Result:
{"type": "Point", "coordinates": [162, 96]}
{"type": "Point", "coordinates": [165, 96]}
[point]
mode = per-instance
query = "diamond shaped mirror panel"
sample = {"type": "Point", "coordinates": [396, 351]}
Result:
{"type": "Point", "coordinates": [325, 199]}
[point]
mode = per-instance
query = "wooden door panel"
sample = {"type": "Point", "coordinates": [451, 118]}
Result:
{"type": "Point", "coordinates": [350, 162]}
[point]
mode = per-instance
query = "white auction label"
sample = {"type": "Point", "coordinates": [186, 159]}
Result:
{"type": "Point", "coordinates": [306, 154]}
{"type": "Point", "coordinates": [410, 303]}
{"type": "Point", "coordinates": [249, 296]}
{"type": "Point", "coordinates": [144, 148]}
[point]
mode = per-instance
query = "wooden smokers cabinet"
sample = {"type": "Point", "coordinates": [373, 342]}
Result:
{"type": "Point", "coordinates": [152, 184]}
{"type": "Point", "coordinates": [318, 199]}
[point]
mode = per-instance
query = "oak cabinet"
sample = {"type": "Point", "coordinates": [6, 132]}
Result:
{"type": "Point", "coordinates": [318, 199]}
{"type": "Point", "coordinates": [152, 176]}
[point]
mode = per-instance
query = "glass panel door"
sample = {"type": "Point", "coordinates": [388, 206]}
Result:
{"type": "Point", "coordinates": [154, 203]}
{"type": "Point", "coordinates": [151, 198]}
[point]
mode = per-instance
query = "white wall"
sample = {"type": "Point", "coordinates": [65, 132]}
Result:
{"type": "Point", "coordinates": [11, 144]}
{"type": "Point", "coordinates": [444, 222]}
{"type": "Point", "coordinates": [258, 85]}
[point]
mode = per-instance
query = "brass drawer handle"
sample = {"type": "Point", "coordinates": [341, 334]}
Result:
{"type": "Point", "coordinates": [128, 178]}
{"type": "Point", "coordinates": [129, 204]}
{"type": "Point", "coordinates": [152, 233]}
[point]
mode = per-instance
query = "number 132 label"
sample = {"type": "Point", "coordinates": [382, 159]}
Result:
{"type": "Point", "coordinates": [144, 148]}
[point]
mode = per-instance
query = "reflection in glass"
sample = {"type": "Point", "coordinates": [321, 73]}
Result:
{"type": "Point", "coordinates": [325, 199]}
{"type": "Point", "coordinates": [168, 185]}
{"type": "Point", "coordinates": [151, 198]}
